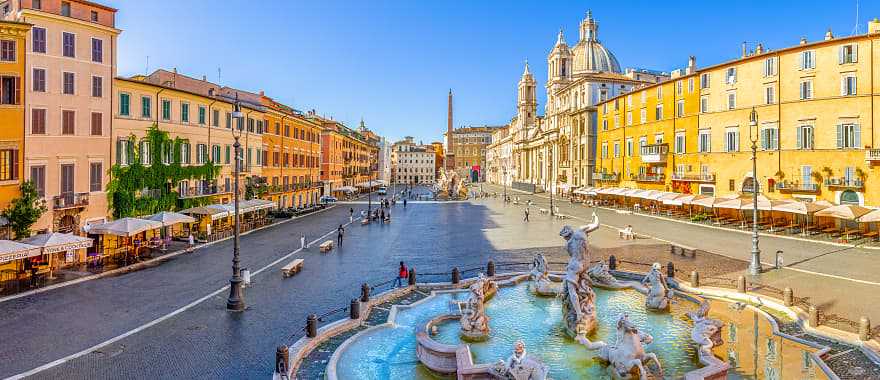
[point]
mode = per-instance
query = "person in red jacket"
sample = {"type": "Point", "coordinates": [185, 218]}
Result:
{"type": "Point", "coordinates": [402, 274]}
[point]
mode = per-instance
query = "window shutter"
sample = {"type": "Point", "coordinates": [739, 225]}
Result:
{"type": "Point", "coordinates": [119, 152]}
{"type": "Point", "coordinates": [842, 86]}
{"type": "Point", "coordinates": [803, 60]}
{"type": "Point", "coordinates": [839, 136]}
{"type": "Point", "coordinates": [800, 137]}
{"type": "Point", "coordinates": [840, 55]}
{"type": "Point", "coordinates": [855, 52]}
{"type": "Point", "coordinates": [857, 139]}
{"type": "Point", "coordinates": [17, 90]}
{"type": "Point", "coordinates": [14, 163]}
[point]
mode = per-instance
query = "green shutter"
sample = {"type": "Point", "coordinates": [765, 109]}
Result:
{"type": "Point", "coordinates": [839, 136]}
{"type": "Point", "coordinates": [857, 138]}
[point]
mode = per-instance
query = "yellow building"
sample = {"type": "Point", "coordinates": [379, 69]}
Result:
{"type": "Point", "coordinates": [292, 154]}
{"type": "Point", "coordinates": [12, 71]}
{"type": "Point", "coordinates": [815, 130]}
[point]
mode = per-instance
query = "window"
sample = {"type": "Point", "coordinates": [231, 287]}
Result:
{"type": "Point", "coordinates": [145, 152]}
{"type": "Point", "coordinates": [185, 153]}
{"type": "Point", "coordinates": [704, 104]}
{"type": "Point", "coordinates": [94, 16]}
{"type": "Point", "coordinates": [166, 109]}
{"type": "Point", "coordinates": [770, 67]}
{"type": "Point", "coordinates": [123, 152]}
{"type": "Point", "coordinates": [68, 45]}
{"type": "Point", "coordinates": [731, 75]}
{"type": "Point", "coordinates": [629, 147]}
{"type": "Point", "coordinates": [679, 143]}
{"type": "Point", "coordinates": [604, 124]}
{"type": "Point", "coordinates": [228, 155]}
{"type": "Point", "coordinates": [38, 121]}
{"type": "Point", "coordinates": [184, 112]}
{"type": "Point", "coordinates": [8, 164]}
{"type": "Point", "coordinates": [124, 104]}
{"type": "Point", "coordinates": [806, 89]}
{"type": "Point", "coordinates": [805, 137]}
{"type": "Point", "coordinates": [806, 174]}
{"type": "Point", "coordinates": [659, 92]}
{"type": "Point", "coordinates": [38, 178]}
{"type": "Point", "coordinates": [643, 115]}
{"type": "Point", "coordinates": [705, 141]}
{"type": "Point", "coordinates": [250, 125]}
{"type": "Point", "coordinates": [7, 50]}
{"type": "Point", "coordinates": [808, 60]}
{"type": "Point", "coordinates": [97, 124]}
{"type": "Point", "coordinates": [228, 120]}
{"type": "Point", "coordinates": [848, 135]}
{"type": "Point", "coordinates": [65, 8]}
{"type": "Point", "coordinates": [848, 85]}
{"type": "Point", "coordinates": [215, 154]}
{"type": "Point", "coordinates": [629, 118]}
{"type": "Point", "coordinates": [770, 138]}
{"type": "Point", "coordinates": [202, 112]}
{"type": "Point", "coordinates": [679, 108]}
{"type": "Point", "coordinates": [658, 112]}
{"type": "Point", "coordinates": [690, 85]}
{"type": "Point", "coordinates": [96, 172]}
{"type": "Point", "coordinates": [769, 95]}
{"type": "Point", "coordinates": [731, 100]}
{"type": "Point", "coordinates": [37, 4]}
{"type": "Point", "coordinates": [146, 104]}
{"type": "Point", "coordinates": [704, 81]}
{"type": "Point", "coordinates": [167, 152]}
{"type": "Point", "coordinates": [848, 54]}
{"type": "Point", "coordinates": [97, 50]}
{"type": "Point", "coordinates": [69, 84]}
{"type": "Point", "coordinates": [215, 118]}
{"type": "Point", "coordinates": [97, 87]}
{"type": "Point", "coordinates": [731, 141]}
{"type": "Point", "coordinates": [658, 138]}
{"type": "Point", "coordinates": [629, 100]}
{"type": "Point", "coordinates": [644, 96]}
{"type": "Point", "coordinates": [68, 121]}
{"type": "Point", "coordinates": [679, 87]}
{"type": "Point", "coordinates": [201, 154]}
{"type": "Point", "coordinates": [604, 150]}
{"type": "Point", "coordinates": [10, 90]}
{"type": "Point", "coordinates": [38, 42]}
{"type": "Point", "coordinates": [616, 149]}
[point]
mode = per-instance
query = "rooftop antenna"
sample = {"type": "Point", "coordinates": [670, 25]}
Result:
{"type": "Point", "coordinates": [147, 69]}
{"type": "Point", "coordinates": [855, 29]}
{"type": "Point", "coordinates": [218, 76]}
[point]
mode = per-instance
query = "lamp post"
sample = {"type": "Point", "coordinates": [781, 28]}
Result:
{"type": "Point", "coordinates": [755, 264]}
{"type": "Point", "coordinates": [550, 181]}
{"type": "Point", "coordinates": [236, 297]}
{"type": "Point", "coordinates": [504, 181]}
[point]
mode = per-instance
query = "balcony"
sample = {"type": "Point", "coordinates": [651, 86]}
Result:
{"type": "Point", "coordinates": [654, 153]}
{"type": "Point", "coordinates": [844, 183]}
{"type": "Point", "coordinates": [197, 192]}
{"type": "Point", "coordinates": [606, 177]}
{"type": "Point", "coordinates": [650, 178]}
{"type": "Point", "coordinates": [797, 188]}
{"type": "Point", "coordinates": [872, 155]}
{"type": "Point", "coordinates": [70, 200]}
{"type": "Point", "coordinates": [704, 178]}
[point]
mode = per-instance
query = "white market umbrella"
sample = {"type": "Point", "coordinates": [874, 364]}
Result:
{"type": "Point", "coordinates": [54, 242]}
{"type": "Point", "coordinates": [845, 212]}
{"type": "Point", "coordinates": [125, 227]}
{"type": "Point", "coordinates": [168, 218]}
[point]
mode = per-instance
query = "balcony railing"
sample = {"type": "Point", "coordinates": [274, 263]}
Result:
{"type": "Point", "coordinates": [872, 155]}
{"type": "Point", "coordinates": [694, 177]}
{"type": "Point", "coordinates": [845, 183]}
{"type": "Point", "coordinates": [607, 177]}
{"type": "Point", "coordinates": [196, 192]}
{"type": "Point", "coordinates": [803, 188]}
{"type": "Point", "coordinates": [654, 178]}
{"type": "Point", "coordinates": [70, 200]}
{"type": "Point", "coordinates": [654, 153]}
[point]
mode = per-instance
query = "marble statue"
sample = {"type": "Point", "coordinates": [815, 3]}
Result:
{"type": "Point", "coordinates": [541, 284]}
{"type": "Point", "coordinates": [659, 295]}
{"type": "Point", "coordinates": [600, 275]}
{"type": "Point", "coordinates": [707, 331]}
{"type": "Point", "coordinates": [474, 321]}
{"type": "Point", "coordinates": [627, 354]}
{"type": "Point", "coordinates": [519, 366]}
{"type": "Point", "coordinates": [450, 185]}
{"type": "Point", "coordinates": [488, 286]}
{"type": "Point", "coordinates": [578, 304]}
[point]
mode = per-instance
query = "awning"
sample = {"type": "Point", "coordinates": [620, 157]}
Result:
{"type": "Point", "coordinates": [13, 250]}
{"type": "Point", "coordinates": [345, 189]}
{"type": "Point", "coordinates": [846, 212]}
{"type": "Point", "coordinates": [170, 218]}
{"type": "Point", "coordinates": [54, 242]}
{"type": "Point", "coordinates": [214, 212]}
{"type": "Point", "coordinates": [803, 208]}
{"type": "Point", "coordinates": [124, 227]}
{"type": "Point", "coordinates": [745, 202]}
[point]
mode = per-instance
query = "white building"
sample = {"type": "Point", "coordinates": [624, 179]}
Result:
{"type": "Point", "coordinates": [384, 160]}
{"type": "Point", "coordinates": [412, 163]}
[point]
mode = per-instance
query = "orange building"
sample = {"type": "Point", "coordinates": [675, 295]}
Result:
{"type": "Point", "coordinates": [438, 157]}
{"type": "Point", "coordinates": [291, 150]}
{"type": "Point", "coordinates": [12, 37]}
{"type": "Point", "coordinates": [348, 159]}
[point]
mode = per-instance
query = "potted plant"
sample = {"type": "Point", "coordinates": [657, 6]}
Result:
{"type": "Point", "coordinates": [816, 177]}
{"type": "Point", "coordinates": [828, 172]}
{"type": "Point", "coordinates": [780, 175]}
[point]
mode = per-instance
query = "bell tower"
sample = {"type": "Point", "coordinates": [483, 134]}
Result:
{"type": "Point", "coordinates": [526, 100]}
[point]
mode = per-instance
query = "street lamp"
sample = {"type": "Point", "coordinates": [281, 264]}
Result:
{"type": "Point", "coordinates": [755, 264]}
{"type": "Point", "coordinates": [236, 297]}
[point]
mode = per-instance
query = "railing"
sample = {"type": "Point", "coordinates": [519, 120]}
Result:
{"type": "Point", "coordinates": [654, 153]}
{"type": "Point", "coordinates": [70, 200]}
{"type": "Point", "coordinates": [659, 178]}
{"type": "Point", "coordinates": [610, 177]}
{"type": "Point", "coordinates": [785, 187]}
{"type": "Point", "coordinates": [872, 155]}
{"type": "Point", "coordinates": [195, 192]}
{"type": "Point", "coordinates": [850, 183]}
{"type": "Point", "coordinates": [693, 177]}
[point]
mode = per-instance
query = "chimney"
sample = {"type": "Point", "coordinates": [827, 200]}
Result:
{"type": "Point", "coordinates": [759, 49]}
{"type": "Point", "coordinates": [204, 78]}
{"type": "Point", "coordinates": [262, 93]}
{"type": "Point", "coordinates": [745, 53]}
{"type": "Point", "coordinates": [828, 35]}
{"type": "Point", "coordinates": [874, 26]}
{"type": "Point", "coordinates": [803, 40]}
{"type": "Point", "coordinates": [692, 65]}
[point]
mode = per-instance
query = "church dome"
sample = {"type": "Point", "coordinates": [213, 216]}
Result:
{"type": "Point", "coordinates": [590, 56]}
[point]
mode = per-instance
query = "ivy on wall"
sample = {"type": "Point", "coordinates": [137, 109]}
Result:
{"type": "Point", "coordinates": [137, 189]}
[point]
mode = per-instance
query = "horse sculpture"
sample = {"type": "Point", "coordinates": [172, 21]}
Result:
{"type": "Point", "coordinates": [659, 296]}
{"type": "Point", "coordinates": [627, 354]}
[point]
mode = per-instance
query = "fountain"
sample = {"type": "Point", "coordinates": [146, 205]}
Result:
{"type": "Point", "coordinates": [519, 366]}
{"type": "Point", "coordinates": [474, 322]}
{"type": "Point", "coordinates": [659, 295]}
{"type": "Point", "coordinates": [450, 186]}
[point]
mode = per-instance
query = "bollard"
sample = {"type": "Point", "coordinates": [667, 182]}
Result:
{"type": "Point", "coordinates": [312, 326]}
{"type": "Point", "coordinates": [490, 268]}
{"type": "Point", "coordinates": [456, 277]}
{"type": "Point", "coordinates": [778, 263]}
{"type": "Point", "coordinates": [354, 309]}
{"type": "Point", "coordinates": [864, 329]}
{"type": "Point", "coordinates": [788, 297]}
{"type": "Point", "coordinates": [741, 284]}
{"type": "Point", "coordinates": [814, 317]}
{"type": "Point", "coordinates": [670, 270]}
{"type": "Point", "coordinates": [612, 262]}
{"type": "Point", "coordinates": [365, 292]}
{"type": "Point", "coordinates": [282, 360]}
{"type": "Point", "coordinates": [411, 280]}
{"type": "Point", "coordinates": [695, 279]}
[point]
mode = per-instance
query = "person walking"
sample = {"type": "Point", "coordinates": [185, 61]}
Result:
{"type": "Point", "coordinates": [402, 274]}
{"type": "Point", "coordinates": [302, 241]}
{"type": "Point", "coordinates": [526, 215]}
{"type": "Point", "coordinates": [191, 241]}
{"type": "Point", "coordinates": [351, 214]}
{"type": "Point", "coordinates": [339, 232]}
{"type": "Point", "coordinates": [404, 202]}
{"type": "Point", "coordinates": [382, 215]}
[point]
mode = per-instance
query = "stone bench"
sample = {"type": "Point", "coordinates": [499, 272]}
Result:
{"type": "Point", "coordinates": [326, 246]}
{"type": "Point", "coordinates": [292, 268]}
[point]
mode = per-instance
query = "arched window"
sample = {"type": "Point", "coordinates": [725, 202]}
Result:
{"type": "Point", "coordinates": [849, 197]}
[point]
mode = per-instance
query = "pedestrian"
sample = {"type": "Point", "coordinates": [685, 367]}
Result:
{"type": "Point", "coordinates": [192, 242]}
{"type": "Point", "coordinates": [339, 232]}
{"type": "Point", "coordinates": [350, 212]}
{"type": "Point", "coordinates": [302, 241]}
{"type": "Point", "coordinates": [382, 215]}
{"type": "Point", "coordinates": [402, 274]}
{"type": "Point", "coordinates": [526, 217]}
{"type": "Point", "coordinates": [404, 202]}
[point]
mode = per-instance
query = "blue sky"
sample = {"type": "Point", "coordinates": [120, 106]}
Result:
{"type": "Point", "coordinates": [392, 62]}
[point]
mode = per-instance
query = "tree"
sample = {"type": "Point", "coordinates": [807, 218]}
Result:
{"type": "Point", "coordinates": [24, 211]}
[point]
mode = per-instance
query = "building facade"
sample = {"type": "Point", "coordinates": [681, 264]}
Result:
{"type": "Point", "coordinates": [347, 158]}
{"type": "Point", "coordinates": [13, 35]}
{"type": "Point", "coordinates": [469, 145]}
{"type": "Point", "coordinates": [70, 65]}
{"type": "Point", "coordinates": [498, 158]}
{"type": "Point", "coordinates": [414, 164]}
{"type": "Point", "coordinates": [814, 134]}
{"type": "Point", "coordinates": [291, 155]}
